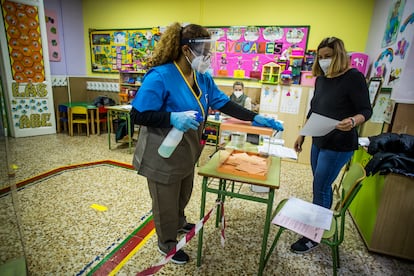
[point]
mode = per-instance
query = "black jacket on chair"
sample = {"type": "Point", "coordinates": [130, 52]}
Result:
{"type": "Point", "coordinates": [391, 152]}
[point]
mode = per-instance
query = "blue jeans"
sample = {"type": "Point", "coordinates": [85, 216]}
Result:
{"type": "Point", "coordinates": [326, 165]}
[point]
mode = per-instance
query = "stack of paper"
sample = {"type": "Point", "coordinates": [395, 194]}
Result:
{"type": "Point", "coordinates": [304, 218]}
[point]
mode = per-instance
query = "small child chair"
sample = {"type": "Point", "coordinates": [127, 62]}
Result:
{"type": "Point", "coordinates": [79, 115]}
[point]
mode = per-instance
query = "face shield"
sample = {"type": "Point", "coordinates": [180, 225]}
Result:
{"type": "Point", "coordinates": [202, 48]}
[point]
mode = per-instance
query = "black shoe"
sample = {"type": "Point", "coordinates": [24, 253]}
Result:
{"type": "Point", "coordinates": [186, 228]}
{"type": "Point", "coordinates": [303, 245]}
{"type": "Point", "coordinates": [180, 257]}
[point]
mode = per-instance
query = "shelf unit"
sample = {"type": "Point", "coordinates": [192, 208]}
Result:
{"type": "Point", "coordinates": [271, 73]}
{"type": "Point", "coordinates": [129, 83]}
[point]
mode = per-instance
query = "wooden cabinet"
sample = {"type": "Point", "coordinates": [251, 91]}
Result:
{"type": "Point", "coordinates": [129, 83]}
{"type": "Point", "coordinates": [383, 211]}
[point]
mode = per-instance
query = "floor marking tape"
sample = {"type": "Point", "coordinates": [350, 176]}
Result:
{"type": "Point", "coordinates": [155, 268]}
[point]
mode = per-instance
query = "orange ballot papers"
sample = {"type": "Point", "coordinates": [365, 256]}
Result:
{"type": "Point", "coordinates": [318, 125]}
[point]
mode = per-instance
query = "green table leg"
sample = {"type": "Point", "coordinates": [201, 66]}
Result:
{"type": "Point", "coordinates": [202, 211]}
{"type": "Point", "coordinates": [266, 230]}
{"type": "Point", "coordinates": [221, 196]}
{"type": "Point", "coordinates": [108, 121]}
{"type": "Point", "coordinates": [128, 117]}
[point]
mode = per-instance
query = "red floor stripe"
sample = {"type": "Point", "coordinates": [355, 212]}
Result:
{"type": "Point", "coordinates": [122, 252]}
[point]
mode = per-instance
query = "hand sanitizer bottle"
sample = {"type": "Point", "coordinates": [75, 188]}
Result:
{"type": "Point", "coordinates": [174, 137]}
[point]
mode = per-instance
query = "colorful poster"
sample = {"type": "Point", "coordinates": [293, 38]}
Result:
{"type": "Point", "coordinates": [24, 43]}
{"type": "Point", "coordinates": [241, 52]}
{"type": "Point", "coordinates": [119, 50]}
{"type": "Point", "coordinates": [396, 43]}
{"type": "Point", "coordinates": [52, 35]}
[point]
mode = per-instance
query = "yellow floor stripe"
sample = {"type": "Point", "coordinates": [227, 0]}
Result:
{"type": "Point", "coordinates": [132, 253]}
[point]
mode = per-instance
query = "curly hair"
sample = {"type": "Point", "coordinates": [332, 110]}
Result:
{"type": "Point", "coordinates": [168, 48]}
{"type": "Point", "coordinates": [340, 59]}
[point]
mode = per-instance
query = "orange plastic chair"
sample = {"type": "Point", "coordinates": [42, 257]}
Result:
{"type": "Point", "coordinates": [79, 115]}
{"type": "Point", "coordinates": [101, 118]}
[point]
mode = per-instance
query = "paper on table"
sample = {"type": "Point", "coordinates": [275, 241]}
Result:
{"type": "Point", "coordinates": [318, 125]}
{"type": "Point", "coordinates": [278, 150]}
{"type": "Point", "coordinates": [308, 213]}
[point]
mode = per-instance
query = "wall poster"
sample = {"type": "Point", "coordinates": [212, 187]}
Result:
{"type": "Point", "coordinates": [396, 42]}
{"type": "Point", "coordinates": [240, 52]}
{"type": "Point", "coordinates": [52, 35]}
{"type": "Point", "coordinates": [118, 50]}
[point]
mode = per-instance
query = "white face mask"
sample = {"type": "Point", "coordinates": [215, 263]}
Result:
{"type": "Point", "coordinates": [200, 63]}
{"type": "Point", "coordinates": [238, 93]}
{"type": "Point", "coordinates": [324, 64]}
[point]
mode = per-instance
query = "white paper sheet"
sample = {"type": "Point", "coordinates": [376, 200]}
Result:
{"type": "Point", "coordinates": [278, 150]}
{"type": "Point", "coordinates": [308, 213]}
{"type": "Point", "coordinates": [305, 230]}
{"type": "Point", "coordinates": [304, 218]}
{"type": "Point", "coordinates": [318, 125]}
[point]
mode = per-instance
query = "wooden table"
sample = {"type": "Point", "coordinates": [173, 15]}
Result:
{"type": "Point", "coordinates": [223, 189]}
{"type": "Point", "coordinates": [91, 108]}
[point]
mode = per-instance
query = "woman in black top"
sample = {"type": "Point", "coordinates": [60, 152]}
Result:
{"type": "Point", "coordinates": [340, 93]}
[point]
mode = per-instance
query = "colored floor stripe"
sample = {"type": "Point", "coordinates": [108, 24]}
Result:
{"type": "Point", "coordinates": [114, 261]}
{"type": "Point", "coordinates": [56, 171]}
{"type": "Point", "coordinates": [120, 255]}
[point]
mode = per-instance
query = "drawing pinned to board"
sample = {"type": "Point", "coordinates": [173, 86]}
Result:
{"type": "Point", "coordinates": [290, 99]}
{"type": "Point", "coordinates": [269, 98]}
{"type": "Point", "coordinates": [393, 23]}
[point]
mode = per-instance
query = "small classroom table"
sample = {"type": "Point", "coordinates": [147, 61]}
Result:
{"type": "Point", "coordinates": [119, 111]}
{"type": "Point", "coordinates": [224, 188]}
{"type": "Point", "coordinates": [91, 108]}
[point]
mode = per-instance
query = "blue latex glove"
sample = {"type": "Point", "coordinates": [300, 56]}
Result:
{"type": "Point", "coordinates": [184, 121]}
{"type": "Point", "coordinates": [263, 121]}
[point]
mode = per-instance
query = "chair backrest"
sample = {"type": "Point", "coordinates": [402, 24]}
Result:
{"type": "Point", "coordinates": [351, 183]}
{"type": "Point", "coordinates": [79, 110]}
{"type": "Point", "coordinates": [62, 108]}
{"type": "Point", "coordinates": [102, 109]}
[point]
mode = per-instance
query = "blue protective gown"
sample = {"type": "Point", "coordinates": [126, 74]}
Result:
{"type": "Point", "coordinates": [165, 88]}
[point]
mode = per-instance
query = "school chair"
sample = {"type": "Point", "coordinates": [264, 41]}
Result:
{"type": "Point", "coordinates": [79, 115]}
{"type": "Point", "coordinates": [101, 118]}
{"type": "Point", "coordinates": [351, 184]}
{"type": "Point", "coordinates": [63, 118]}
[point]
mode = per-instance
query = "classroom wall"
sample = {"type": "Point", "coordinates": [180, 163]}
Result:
{"type": "Point", "coordinates": [71, 40]}
{"type": "Point", "coordinates": [347, 19]}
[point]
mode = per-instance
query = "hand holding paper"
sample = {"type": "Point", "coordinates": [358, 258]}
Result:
{"type": "Point", "coordinates": [318, 125]}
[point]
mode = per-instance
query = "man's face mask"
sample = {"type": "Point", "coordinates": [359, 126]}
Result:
{"type": "Point", "coordinates": [200, 63]}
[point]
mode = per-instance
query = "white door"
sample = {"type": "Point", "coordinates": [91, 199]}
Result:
{"type": "Point", "coordinates": [25, 68]}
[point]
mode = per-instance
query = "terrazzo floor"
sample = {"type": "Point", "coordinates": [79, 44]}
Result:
{"type": "Point", "coordinates": [51, 223]}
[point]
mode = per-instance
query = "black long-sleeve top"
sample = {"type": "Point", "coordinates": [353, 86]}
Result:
{"type": "Point", "coordinates": [162, 119]}
{"type": "Point", "coordinates": [339, 98]}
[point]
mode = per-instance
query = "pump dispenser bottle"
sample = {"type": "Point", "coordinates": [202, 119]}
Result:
{"type": "Point", "coordinates": [174, 137]}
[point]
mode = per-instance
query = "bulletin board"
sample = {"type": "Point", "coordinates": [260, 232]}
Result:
{"type": "Point", "coordinates": [236, 50]}
{"type": "Point", "coordinates": [239, 51]}
{"type": "Point", "coordinates": [118, 50]}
